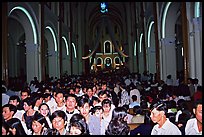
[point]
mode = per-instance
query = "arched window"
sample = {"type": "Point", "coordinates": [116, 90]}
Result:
{"type": "Point", "coordinates": [107, 47]}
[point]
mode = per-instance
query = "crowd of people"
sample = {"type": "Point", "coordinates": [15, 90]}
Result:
{"type": "Point", "coordinates": [100, 103]}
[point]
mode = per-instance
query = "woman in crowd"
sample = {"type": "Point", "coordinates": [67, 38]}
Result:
{"type": "Point", "coordinates": [29, 112]}
{"type": "Point", "coordinates": [45, 111]}
{"type": "Point", "coordinates": [39, 124]}
{"type": "Point", "coordinates": [78, 125]}
{"type": "Point", "coordinates": [92, 121]}
{"type": "Point", "coordinates": [16, 127]}
{"type": "Point", "coordinates": [118, 124]}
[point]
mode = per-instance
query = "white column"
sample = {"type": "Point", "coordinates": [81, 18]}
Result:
{"type": "Point", "coordinates": [198, 48]}
{"type": "Point", "coordinates": [191, 46]}
{"type": "Point", "coordinates": [32, 61]}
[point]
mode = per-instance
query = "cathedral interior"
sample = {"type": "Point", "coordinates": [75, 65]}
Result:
{"type": "Point", "coordinates": [56, 38]}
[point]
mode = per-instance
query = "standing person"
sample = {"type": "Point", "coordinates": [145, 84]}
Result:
{"type": "Point", "coordinates": [125, 98]}
{"type": "Point", "coordinates": [59, 98]}
{"type": "Point", "coordinates": [71, 104]}
{"type": "Point", "coordinates": [163, 126]}
{"type": "Point", "coordinates": [134, 91]}
{"type": "Point", "coordinates": [194, 125]}
{"type": "Point", "coordinates": [118, 124]}
{"type": "Point", "coordinates": [92, 121]}
{"type": "Point", "coordinates": [134, 102]}
{"type": "Point", "coordinates": [169, 80]}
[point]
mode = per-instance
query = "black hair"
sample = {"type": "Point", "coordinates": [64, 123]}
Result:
{"type": "Point", "coordinates": [93, 110]}
{"type": "Point", "coordinates": [71, 95]}
{"type": "Point", "coordinates": [14, 97]}
{"type": "Point", "coordinates": [41, 119]}
{"type": "Point", "coordinates": [106, 101]}
{"type": "Point", "coordinates": [59, 113]}
{"type": "Point", "coordinates": [78, 120]}
{"type": "Point", "coordinates": [196, 103]}
{"type": "Point", "coordinates": [119, 113]}
{"type": "Point", "coordinates": [117, 127]}
{"type": "Point", "coordinates": [11, 107]}
{"type": "Point", "coordinates": [30, 101]}
{"type": "Point", "coordinates": [16, 123]}
{"type": "Point", "coordinates": [82, 101]}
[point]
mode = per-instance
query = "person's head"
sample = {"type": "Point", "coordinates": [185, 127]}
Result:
{"type": "Point", "coordinates": [197, 110]}
{"type": "Point", "coordinates": [71, 102]}
{"type": "Point", "coordinates": [90, 92]}
{"type": "Point", "coordinates": [38, 123]}
{"type": "Point", "coordinates": [95, 100]}
{"type": "Point", "coordinates": [71, 90]}
{"type": "Point", "coordinates": [76, 117]}
{"type": "Point", "coordinates": [102, 95]}
{"type": "Point", "coordinates": [28, 104]}
{"type": "Point", "coordinates": [97, 111]}
{"type": "Point", "coordinates": [14, 100]}
{"type": "Point", "coordinates": [137, 110]}
{"type": "Point", "coordinates": [16, 126]}
{"type": "Point", "coordinates": [25, 93]}
{"type": "Point", "coordinates": [44, 109]}
{"type": "Point", "coordinates": [117, 127]}
{"type": "Point", "coordinates": [59, 97]}
{"type": "Point", "coordinates": [134, 98]}
{"type": "Point", "coordinates": [78, 125]}
{"type": "Point", "coordinates": [8, 110]}
{"type": "Point", "coordinates": [46, 97]}
{"type": "Point", "coordinates": [83, 106]}
{"type": "Point", "coordinates": [120, 114]}
{"type": "Point", "coordinates": [106, 105]}
{"type": "Point", "coordinates": [169, 76]}
{"type": "Point", "coordinates": [104, 86]}
{"type": "Point", "coordinates": [78, 128]}
{"type": "Point", "coordinates": [59, 120]}
{"type": "Point", "coordinates": [38, 98]}
{"type": "Point", "coordinates": [158, 111]}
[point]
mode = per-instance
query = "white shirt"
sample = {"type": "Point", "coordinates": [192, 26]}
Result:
{"type": "Point", "coordinates": [168, 128]}
{"type": "Point", "coordinates": [192, 127]}
{"type": "Point", "coordinates": [19, 114]}
{"type": "Point", "coordinates": [76, 111]}
{"type": "Point", "coordinates": [5, 99]}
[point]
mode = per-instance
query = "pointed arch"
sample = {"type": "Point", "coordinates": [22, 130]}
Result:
{"type": "Point", "coordinates": [30, 19]}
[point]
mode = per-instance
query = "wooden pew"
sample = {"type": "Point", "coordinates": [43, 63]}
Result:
{"type": "Point", "coordinates": [133, 125]}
